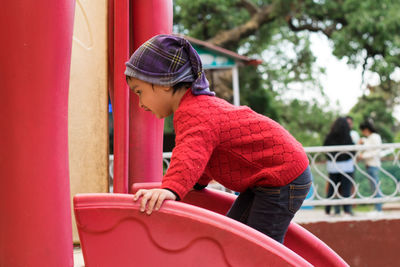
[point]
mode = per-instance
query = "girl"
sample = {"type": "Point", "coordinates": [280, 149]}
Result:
{"type": "Point", "coordinates": [372, 157]}
{"type": "Point", "coordinates": [340, 167]}
{"type": "Point", "coordinates": [242, 150]}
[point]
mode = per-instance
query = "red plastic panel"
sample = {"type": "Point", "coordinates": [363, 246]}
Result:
{"type": "Point", "coordinates": [35, 57]}
{"type": "Point", "coordinates": [214, 200]}
{"type": "Point", "coordinates": [113, 232]}
{"type": "Point", "coordinates": [297, 238]}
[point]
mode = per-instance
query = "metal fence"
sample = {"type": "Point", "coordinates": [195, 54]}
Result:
{"type": "Point", "coordinates": [365, 190]}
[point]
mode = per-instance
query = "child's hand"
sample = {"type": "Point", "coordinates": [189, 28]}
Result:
{"type": "Point", "coordinates": [153, 198]}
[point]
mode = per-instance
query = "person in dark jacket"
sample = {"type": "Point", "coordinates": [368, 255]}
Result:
{"type": "Point", "coordinates": [340, 165]}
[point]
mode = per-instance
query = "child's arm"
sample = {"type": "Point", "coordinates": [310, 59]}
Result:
{"type": "Point", "coordinates": [197, 135]}
{"type": "Point", "coordinates": [153, 198]}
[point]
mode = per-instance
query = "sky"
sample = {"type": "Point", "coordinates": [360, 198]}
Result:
{"type": "Point", "coordinates": [341, 83]}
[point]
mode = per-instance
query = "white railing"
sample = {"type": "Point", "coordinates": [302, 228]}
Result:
{"type": "Point", "coordinates": [390, 160]}
{"type": "Point", "coordinates": [388, 187]}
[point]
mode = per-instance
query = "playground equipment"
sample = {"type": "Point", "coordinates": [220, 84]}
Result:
{"type": "Point", "coordinates": [35, 60]}
{"type": "Point", "coordinates": [35, 203]}
{"type": "Point", "coordinates": [113, 231]}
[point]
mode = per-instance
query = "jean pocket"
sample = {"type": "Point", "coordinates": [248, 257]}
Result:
{"type": "Point", "coordinates": [297, 194]}
{"type": "Point", "coordinates": [271, 193]}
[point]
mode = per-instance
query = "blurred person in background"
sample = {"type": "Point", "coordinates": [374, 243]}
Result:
{"type": "Point", "coordinates": [340, 165]}
{"type": "Point", "coordinates": [371, 157]}
{"type": "Point", "coordinates": [353, 133]}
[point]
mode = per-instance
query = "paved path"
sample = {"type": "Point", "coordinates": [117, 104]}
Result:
{"type": "Point", "coordinates": [390, 211]}
{"type": "Point", "coordinates": [310, 216]}
{"type": "Point", "coordinates": [78, 257]}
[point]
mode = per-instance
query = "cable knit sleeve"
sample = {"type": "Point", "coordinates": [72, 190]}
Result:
{"type": "Point", "coordinates": [196, 138]}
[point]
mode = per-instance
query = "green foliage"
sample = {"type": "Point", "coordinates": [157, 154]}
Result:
{"type": "Point", "coordinates": [387, 184]}
{"type": "Point", "coordinates": [168, 124]}
{"type": "Point", "coordinates": [255, 95]}
{"type": "Point", "coordinates": [307, 121]}
{"type": "Point", "coordinates": [205, 18]}
{"type": "Point", "coordinates": [369, 32]}
{"type": "Point", "coordinates": [373, 107]}
{"type": "Point", "coordinates": [397, 138]}
{"type": "Point", "coordinates": [362, 32]}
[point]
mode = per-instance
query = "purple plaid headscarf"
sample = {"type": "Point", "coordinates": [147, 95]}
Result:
{"type": "Point", "coordinates": [168, 60]}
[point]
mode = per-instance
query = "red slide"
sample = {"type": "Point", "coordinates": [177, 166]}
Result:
{"type": "Point", "coordinates": [297, 238]}
{"type": "Point", "coordinates": [114, 233]}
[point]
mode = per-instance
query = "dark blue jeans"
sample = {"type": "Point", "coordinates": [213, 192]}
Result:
{"type": "Point", "coordinates": [344, 190]}
{"type": "Point", "coordinates": [270, 209]}
{"type": "Point", "coordinates": [374, 173]}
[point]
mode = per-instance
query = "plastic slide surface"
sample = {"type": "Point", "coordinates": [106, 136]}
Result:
{"type": "Point", "coordinates": [113, 232]}
{"type": "Point", "coordinates": [297, 238]}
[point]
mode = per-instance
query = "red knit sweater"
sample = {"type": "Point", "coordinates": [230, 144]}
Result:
{"type": "Point", "coordinates": [235, 146]}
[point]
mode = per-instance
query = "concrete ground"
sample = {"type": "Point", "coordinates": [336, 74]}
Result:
{"type": "Point", "coordinates": [78, 257]}
{"type": "Point", "coordinates": [390, 211]}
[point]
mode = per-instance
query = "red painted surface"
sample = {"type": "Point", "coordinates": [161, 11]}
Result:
{"type": "Point", "coordinates": [35, 57]}
{"type": "Point", "coordinates": [297, 238]}
{"type": "Point", "coordinates": [149, 18]}
{"type": "Point", "coordinates": [363, 242]}
{"type": "Point", "coordinates": [121, 95]}
{"type": "Point", "coordinates": [114, 232]}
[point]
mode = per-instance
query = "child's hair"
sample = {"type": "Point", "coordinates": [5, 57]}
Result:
{"type": "Point", "coordinates": [179, 86]}
{"type": "Point", "coordinates": [340, 131]}
{"type": "Point", "coordinates": [368, 125]}
{"type": "Point", "coordinates": [175, 88]}
{"type": "Point", "coordinates": [340, 126]}
{"type": "Point", "coordinates": [169, 60]}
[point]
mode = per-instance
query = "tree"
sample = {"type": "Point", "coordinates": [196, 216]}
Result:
{"type": "Point", "coordinates": [378, 105]}
{"type": "Point", "coordinates": [362, 31]}
{"type": "Point", "coordinates": [309, 121]}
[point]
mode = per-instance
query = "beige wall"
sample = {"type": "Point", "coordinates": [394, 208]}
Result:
{"type": "Point", "coordinates": [88, 101]}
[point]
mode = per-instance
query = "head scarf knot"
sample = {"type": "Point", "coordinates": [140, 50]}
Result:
{"type": "Point", "coordinates": [168, 60]}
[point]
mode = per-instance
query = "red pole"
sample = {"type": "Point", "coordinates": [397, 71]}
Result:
{"type": "Point", "coordinates": [149, 18]}
{"type": "Point", "coordinates": [121, 96]}
{"type": "Point", "coordinates": [35, 56]}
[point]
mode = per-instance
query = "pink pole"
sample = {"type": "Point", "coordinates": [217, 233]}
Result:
{"type": "Point", "coordinates": [149, 18]}
{"type": "Point", "coordinates": [121, 96]}
{"type": "Point", "coordinates": [35, 55]}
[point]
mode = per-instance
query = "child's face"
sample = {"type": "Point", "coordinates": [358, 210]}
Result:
{"type": "Point", "coordinates": [366, 132]}
{"type": "Point", "coordinates": [154, 98]}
